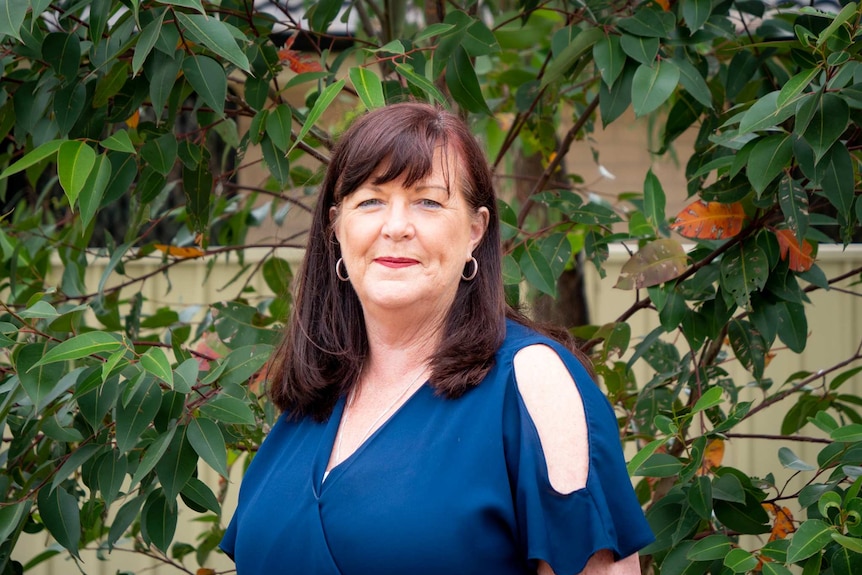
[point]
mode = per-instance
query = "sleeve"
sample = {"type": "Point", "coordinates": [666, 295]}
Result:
{"type": "Point", "coordinates": [565, 530]}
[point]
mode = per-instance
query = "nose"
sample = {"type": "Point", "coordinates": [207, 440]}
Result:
{"type": "Point", "coordinates": [398, 224]}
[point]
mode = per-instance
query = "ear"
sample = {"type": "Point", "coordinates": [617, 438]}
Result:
{"type": "Point", "coordinates": [333, 221]}
{"type": "Point", "coordinates": [478, 226]}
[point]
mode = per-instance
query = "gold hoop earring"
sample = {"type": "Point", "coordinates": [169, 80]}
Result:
{"type": "Point", "coordinates": [471, 275]}
{"type": "Point", "coordinates": [343, 277]}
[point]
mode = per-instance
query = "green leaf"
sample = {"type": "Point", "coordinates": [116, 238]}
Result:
{"type": "Point", "coordinates": [650, 21]}
{"type": "Point", "coordinates": [792, 325]}
{"type": "Point", "coordinates": [146, 40]}
{"type": "Point", "coordinates": [793, 200]}
{"type": "Point", "coordinates": [770, 568]}
{"type": "Point", "coordinates": [197, 186]}
{"type": "Point", "coordinates": [119, 141]}
{"type": "Point", "coordinates": [94, 189]}
{"type": "Point", "coordinates": [710, 548]}
{"type": "Point", "coordinates": [75, 460]}
{"type": "Point", "coordinates": [660, 465]}
{"type": "Point", "coordinates": [43, 152]}
{"type": "Point", "coordinates": [421, 82]}
{"type": "Point", "coordinates": [710, 398]}
{"type": "Point", "coordinates": [276, 161]}
{"type": "Point", "coordinates": [617, 340]}
{"type": "Point", "coordinates": [768, 158]}
{"type": "Point", "coordinates": [748, 345]}
{"type": "Point", "coordinates": [215, 35]}
{"type": "Point", "coordinates": [322, 14]}
{"type": "Point", "coordinates": [615, 100]}
{"type": "Point", "coordinates": [41, 310]}
{"type": "Point", "coordinates": [159, 519]}
{"type": "Point", "coordinates": [227, 409]}
{"type": "Point", "coordinates": [829, 121]}
{"type": "Point", "coordinates": [463, 84]}
{"type": "Point", "coordinates": [12, 514]}
{"type": "Point", "coordinates": [193, 4]}
{"type": "Point", "coordinates": [244, 362]}
{"type": "Point", "coordinates": [208, 79]}
{"type": "Point", "coordinates": [368, 86]}
{"type": "Point", "coordinates": [537, 270]}
{"type": "Point", "coordinates": [565, 60]}
{"type": "Point", "coordinates": [657, 262]}
{"type": "Point", "coordinates": [696, 13]}
{"type": "Point", "coordinates": [152, 455]}
{"type": "Point", "coordinates": [838, 181]}
{"type": "Point", "coordinates": [156, 362]}
{"type": "Point", "coordinates": [60, 514]}
{"type": "Point", "coordinates": [75, 160]}
{"type": "Point", "coordinates": [278, 126]}
{"type": "Point", "coordinates": [692, 81]}
{"type": "Point", "coordinates": [644, 454]}
{"type": "Point", "coordinates": [320, 105]}
{"type": "Point", "coordinates": [849, 433]}
{"type": "Point", "coordinates": [847, 12]}
{"type": "Point", "coordinates": [433, 30]}
{"type": "Point", "coordinates": [12, 13]}
{"type": "Point", "coordinates": [744, 268]}
{"type": "Point", "coordinates": [766, 113]}
{"type": "Point", "coordinates": [640, 49]}
{"type": "Point", "coordinates": [63, 52]}
{"type": "Point", "coordinates": [811, 537]}
{"type": "Point", "coordinates": [186, 375]}
{"type": "Point", "coordinates": [796, 85]}
{"type": "Point", "coordinates": [136, 415]}
{"type": "Point", "coordinates": [790, 460]}
{"type": "Point", "coordinates": [853, 544]}
{"type": "Point", "coordinates": [700, 497]}
{"type": "Point", "coordinates": [177, 465]}
{"type": "Point", "coordinates": [740, 560]}
{"type": "Point", "coordinates": [69, 103]}
{"type": "Point", "coordinates": [200, 495]}
{"type": "Point", "coordinates": [208, 441]}
{"type": "Point", "coordinates": [84, 345]}
{"type": "Point", "coordinates": [124, 519]}
{"type": "Point", "coordinates": [161, 153]}
{"type": "Point", "coordinates": [38, 383]}
{"type": "Point", "coordinates": [654, 204]}
{"type": "Point", "coordinates": [609, 58]}
{"type": "Point", "coordinates": [653, 85]}
{"type": "Point", "coordinates": [728, 488]}
{"type": "Point", "coordinates": [110, 474]}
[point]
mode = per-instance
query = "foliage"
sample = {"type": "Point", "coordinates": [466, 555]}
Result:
{"type": "Point", "coordinates": [128, 130]}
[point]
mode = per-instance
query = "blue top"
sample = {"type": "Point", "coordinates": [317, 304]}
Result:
{"type": "Point", "coordinates": [444, 486]}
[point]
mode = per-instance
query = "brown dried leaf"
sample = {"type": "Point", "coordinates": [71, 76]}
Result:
{"type": "Point", "coordinates": [800, 254]}
{"type": "Point", "coordinates": [657, 262]}
{"type": "Point", "coordinates": [709, 220]}
{"type": "Point", "coordinates": [180, 252]}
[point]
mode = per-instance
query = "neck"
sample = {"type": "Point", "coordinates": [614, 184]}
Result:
{"type": "Point", "coordinates": [396, 350]}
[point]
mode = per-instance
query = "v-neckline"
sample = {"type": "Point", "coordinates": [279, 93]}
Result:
{"type": "Point", "coordinates": [327, 442]}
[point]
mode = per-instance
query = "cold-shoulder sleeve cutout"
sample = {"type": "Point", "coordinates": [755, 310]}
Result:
{"type": "Point", "coordinates": [555, 406]}
{"type": "Point", "coordinates": [572, 494]}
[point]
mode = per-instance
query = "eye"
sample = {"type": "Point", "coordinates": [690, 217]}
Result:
{"type": "Point", "coordinates": [429, 203]}
{"type": "Point", "coordinates": [368, 203]}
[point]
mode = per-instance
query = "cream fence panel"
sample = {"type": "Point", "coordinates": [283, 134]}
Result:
{"type": "Point", "coordinates": [834, 323]}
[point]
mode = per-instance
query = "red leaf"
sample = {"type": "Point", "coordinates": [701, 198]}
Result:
{"type": "Point", "coordinates": [709, 220]}
{"type": "Point", "coordinates": [299, 62]}
{"type": "Point", "coordinates": [800, 256]}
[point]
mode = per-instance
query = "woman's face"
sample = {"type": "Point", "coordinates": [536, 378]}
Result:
{"type": "Point", "coordinates": [405, 248]}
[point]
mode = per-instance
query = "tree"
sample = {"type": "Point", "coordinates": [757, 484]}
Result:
{"type": "Point", "coordinates": [146, 111]}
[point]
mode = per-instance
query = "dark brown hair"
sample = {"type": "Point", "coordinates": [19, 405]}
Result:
{"type": "Point", "coordinates": [325, 344]}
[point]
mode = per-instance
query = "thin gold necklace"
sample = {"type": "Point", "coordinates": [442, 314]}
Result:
{"type": "Point", "coordinates": [373, 425]}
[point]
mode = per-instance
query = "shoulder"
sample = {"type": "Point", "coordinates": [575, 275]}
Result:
{"type": "Point", "coordinates": [555, 405]}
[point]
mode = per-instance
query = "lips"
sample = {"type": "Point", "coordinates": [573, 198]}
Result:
{"type": "Point", "coordinates": [390, 262]}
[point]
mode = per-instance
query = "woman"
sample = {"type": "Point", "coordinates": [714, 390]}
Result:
{"type": "Point", "coordinates": [423, 431]}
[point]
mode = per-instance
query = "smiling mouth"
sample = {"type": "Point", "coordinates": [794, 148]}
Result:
{"type": "Point", "coordinates": [396, 262]}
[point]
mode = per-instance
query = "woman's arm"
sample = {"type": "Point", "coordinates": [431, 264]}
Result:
{"type": "Point", "coordinates": [555, 406]}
